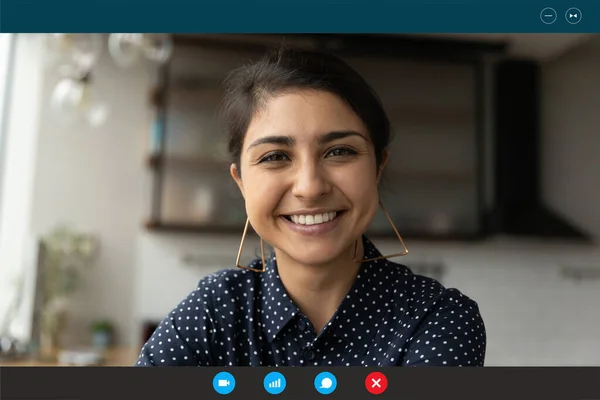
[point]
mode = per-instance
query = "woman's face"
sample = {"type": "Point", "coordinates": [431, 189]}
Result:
{"type": "Point", "coordinates": [308, 176]}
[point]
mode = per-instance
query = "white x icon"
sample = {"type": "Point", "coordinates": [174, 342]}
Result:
{"type": "Point", "coordinates": [375, 382]}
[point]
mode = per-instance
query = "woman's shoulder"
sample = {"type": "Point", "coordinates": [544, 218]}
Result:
{"type": "Point", "coordinates": [422, 291]}
{"type": "Point", "coordinates": [228, 282]}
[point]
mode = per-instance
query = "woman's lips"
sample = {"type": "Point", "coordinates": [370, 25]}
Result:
{"type": "Point", "coordinates": [316, 228]}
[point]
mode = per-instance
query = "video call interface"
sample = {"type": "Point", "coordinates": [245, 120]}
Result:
{"type": "Point", "coordinates": [348, 200]}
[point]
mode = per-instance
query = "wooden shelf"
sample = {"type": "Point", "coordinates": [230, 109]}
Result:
{"type": "Point", "coordinates": [113, 357]}
{"type": "Point", "coordinates": [424, 115]}
{"type": "Point", "coordinates": [180, 227]}
{"type": "Point", "coordinates": [197, 84]}
{"type": "Point", "coordinates": [381, 46]}
{"type": "Point", "coordinates": [183, 228]}
{"type": "Point", "coordinates": [399, 115]}
{"type": "Point", "coordinates": [430, 176]}
{"type": "Point", "coordinates": [197, 164]}
{"type": "Point", "coordinates": [188, 163]}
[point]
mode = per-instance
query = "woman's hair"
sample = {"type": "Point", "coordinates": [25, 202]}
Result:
{"type": "Point", "coordinates": [283, 71]}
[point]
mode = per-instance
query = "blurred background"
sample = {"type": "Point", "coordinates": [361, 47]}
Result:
{"type": "Point", "coordinates": [115, 197]}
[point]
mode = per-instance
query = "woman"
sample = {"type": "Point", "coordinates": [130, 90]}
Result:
{"type": "Point", "coordinates": [309, 143]}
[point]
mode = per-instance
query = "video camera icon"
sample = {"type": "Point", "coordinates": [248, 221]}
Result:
{"type": "Point", "coordinates": [223, 383]}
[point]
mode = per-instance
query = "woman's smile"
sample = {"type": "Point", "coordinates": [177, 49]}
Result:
{"type": "Point", "coordinates": [313, 223]}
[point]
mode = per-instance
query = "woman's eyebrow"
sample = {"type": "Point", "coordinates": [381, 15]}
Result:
{"type": "Point", "coordinates": [280, 140]}
{"type": "Point", "coordinates": [336, 135]}
{"type": "Point", "coordinates": [289, 141]}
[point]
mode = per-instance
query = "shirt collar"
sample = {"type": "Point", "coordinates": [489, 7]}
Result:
{"type": "Point", "coordinates": [277, 308]}
{"type": "Point", "coordinates": [364, 304]}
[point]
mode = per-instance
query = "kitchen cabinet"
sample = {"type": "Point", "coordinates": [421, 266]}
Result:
{"type": "Point", "coordinates": [433, 183]}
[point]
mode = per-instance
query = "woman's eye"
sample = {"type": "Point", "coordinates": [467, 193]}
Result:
{"type": "Point", "coordinates": [274, 157]}
{"type": "Point", "coordinates": [341, 151]}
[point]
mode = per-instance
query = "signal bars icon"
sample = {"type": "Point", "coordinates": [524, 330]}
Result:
{"type": "Point", "coordinates": [275, 384]}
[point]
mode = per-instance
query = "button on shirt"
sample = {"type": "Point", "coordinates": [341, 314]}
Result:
{"type": "Point", "coordinates": [390, 317]}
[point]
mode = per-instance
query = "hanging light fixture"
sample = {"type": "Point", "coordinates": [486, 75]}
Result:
{"type": "Point", "coordinates": [80, 51]}
{"type": "Point", "coordinates": [73, 97]}
{"type": "Point", "coordinates": [128, 48]}
{"type": "Point", "coordinates": [125, 48]}
{"type": "Point", "coordinates": [158, 47]}
{"type": "Point", "coordinates": [84, 50]}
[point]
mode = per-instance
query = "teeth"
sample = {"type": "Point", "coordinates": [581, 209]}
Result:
{"type": "Point", "coordinates": [313, 219]}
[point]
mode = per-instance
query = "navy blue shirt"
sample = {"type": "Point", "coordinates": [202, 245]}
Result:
{"type": "Point", "coordinates": [390, 317]}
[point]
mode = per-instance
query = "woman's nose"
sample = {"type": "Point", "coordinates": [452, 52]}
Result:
{"type": "Point", "coordinates": [310, 182]}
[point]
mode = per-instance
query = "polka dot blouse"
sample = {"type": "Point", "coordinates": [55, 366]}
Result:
{"type": "Point", "coordinates": [390, 317]}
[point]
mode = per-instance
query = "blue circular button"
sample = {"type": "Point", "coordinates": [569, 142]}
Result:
{"type": "Point", "coordinates": [548, 15]}
{"type": "Point", "coordinates": [224, 383]}
{"type": "Point", "coordinates": [325, 383]}
{"type": "Point", "coordinates": [274, 383]}
{"type": "Point", "coordinates": [573, 15]}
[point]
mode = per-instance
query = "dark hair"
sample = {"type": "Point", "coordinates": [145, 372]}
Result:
{"type": "Point", "coordinates": [285, 70]}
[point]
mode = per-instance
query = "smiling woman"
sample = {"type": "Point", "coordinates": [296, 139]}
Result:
{"type": "Point", "coordinates": [309, 139]}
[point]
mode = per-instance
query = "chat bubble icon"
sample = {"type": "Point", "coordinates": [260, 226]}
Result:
{"type": "Point", "coordinates": [326, 383]}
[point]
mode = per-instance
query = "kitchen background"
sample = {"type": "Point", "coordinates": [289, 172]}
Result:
{"type": "Point", "coordinates": [111, 156]}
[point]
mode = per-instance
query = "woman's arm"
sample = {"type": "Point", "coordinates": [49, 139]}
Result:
{"type": "Point", "coordinates": [452, 334]}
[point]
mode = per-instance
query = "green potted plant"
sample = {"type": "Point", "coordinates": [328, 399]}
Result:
{"type": "Point", "coordinates": [66, 255]}
{"type": "Point", "coordinates": [102, 334]}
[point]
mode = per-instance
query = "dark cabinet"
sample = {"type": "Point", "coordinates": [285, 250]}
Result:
{"type": "Point", "coordinates": [433, 183]}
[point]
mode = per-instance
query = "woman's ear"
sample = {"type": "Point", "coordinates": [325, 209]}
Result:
{"type": "Point", "coordinates": [235, 174]}
{"type": "Point", "coordinates": [384, 159]}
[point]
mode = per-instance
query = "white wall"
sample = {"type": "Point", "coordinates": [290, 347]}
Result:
{"type": "Point", "coordinates": [95, 181]}
{"type": "Point", "coordinates": [571, 125]}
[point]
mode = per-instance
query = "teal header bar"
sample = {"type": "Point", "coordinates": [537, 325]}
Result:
{"type": "Point", "coordinates": [300, 16]}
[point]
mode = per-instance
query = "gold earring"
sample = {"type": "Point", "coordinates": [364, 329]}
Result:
{"type": "Point", "coordinates": [405, 252]}
{"type": "Point", "coordinates": [262, 252]}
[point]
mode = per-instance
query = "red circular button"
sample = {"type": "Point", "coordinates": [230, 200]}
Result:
{"type": "Point", "coordinates": [376, 383]}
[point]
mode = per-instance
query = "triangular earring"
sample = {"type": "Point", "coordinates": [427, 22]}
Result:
{"type": "Point", "coordinates": [405, 252]}
{"type": "Point", "coordinates": [262, 252]}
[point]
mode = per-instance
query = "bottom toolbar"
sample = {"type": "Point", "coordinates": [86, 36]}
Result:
{"type": "Point", "coordinates": [84, 383]}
